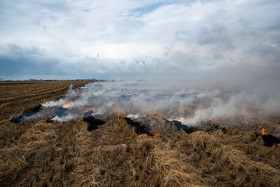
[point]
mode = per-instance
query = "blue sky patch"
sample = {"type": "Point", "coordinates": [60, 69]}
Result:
{"type": "Point", "coordinates": [144, 10]}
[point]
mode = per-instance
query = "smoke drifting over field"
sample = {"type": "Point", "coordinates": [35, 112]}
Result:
{"type": "Point", "coordinates": [178, 100]}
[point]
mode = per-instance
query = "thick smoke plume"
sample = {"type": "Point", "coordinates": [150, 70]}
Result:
{"type": "Point", "coordinates": [175, 100]}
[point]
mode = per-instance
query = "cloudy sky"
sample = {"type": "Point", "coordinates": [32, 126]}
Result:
{"type": "Point", "coordinates": [63, 39]}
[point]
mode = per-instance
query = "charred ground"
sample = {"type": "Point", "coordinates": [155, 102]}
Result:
{"type": "Point", "coordinates": [114, 153]}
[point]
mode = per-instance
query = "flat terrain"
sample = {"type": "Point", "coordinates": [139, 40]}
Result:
{"type": "Point", "coordinates": [16, 97]}
{"type": "Point", "coordinates": [37, 152]}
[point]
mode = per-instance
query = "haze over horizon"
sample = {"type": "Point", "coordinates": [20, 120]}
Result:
{"type": "Point", "coordinates": [218, 39]}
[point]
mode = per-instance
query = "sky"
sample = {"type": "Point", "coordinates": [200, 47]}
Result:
{"type": "Point", "coordinates": [221, 40]}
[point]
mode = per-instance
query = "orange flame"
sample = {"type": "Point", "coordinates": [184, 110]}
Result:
{"type": "Point", "coordinates": [12, 116]}
{"type": "Point", "coordinates": [154, 137]}
{"type": "Point", "coordinates": [263, 132]}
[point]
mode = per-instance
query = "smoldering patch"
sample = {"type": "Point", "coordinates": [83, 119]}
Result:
{"type": "Point", "coordinates": [152, 105]}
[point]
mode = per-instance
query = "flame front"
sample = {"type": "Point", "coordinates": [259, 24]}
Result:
{"type": "Point", "coordinates": [263, 132]}
{"type": "Point", "coordinates": [154, 137]}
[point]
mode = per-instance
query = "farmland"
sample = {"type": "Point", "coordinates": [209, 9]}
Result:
{"type": "Point", "coordinates": [43, 153]}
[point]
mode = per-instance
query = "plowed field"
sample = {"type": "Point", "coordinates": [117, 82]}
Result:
{"type": "Point", "coordinates": [37, 152]}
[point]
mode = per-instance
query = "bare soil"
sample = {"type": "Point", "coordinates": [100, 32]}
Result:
{"type": "Point", "coordinates": [37, 153]}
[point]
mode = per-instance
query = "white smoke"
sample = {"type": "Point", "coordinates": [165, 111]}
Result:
{"type": "Point", "coordinates": [177, 101]}
{"type": "Point", "coordinates": [64, 118]}
{"type": "Point", "coordinates": [54, 103]}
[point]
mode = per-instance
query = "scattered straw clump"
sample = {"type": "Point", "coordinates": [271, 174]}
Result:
{"type": "Point", "coordinates": [67, 154]}
{"type": "Point", "coordinates": [227, 165]}
{"type": "Point", "coordinates": [11, 161]}
{"type": "Point", "coordinates": [39, 135]}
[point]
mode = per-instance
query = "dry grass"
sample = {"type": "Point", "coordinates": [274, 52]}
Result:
{"type": "Point", "coordinates": [67, 154]}
{"type": "Point", "coordinates": [114, 155]}
{"type": "Point", "coordinates": [16, 97]}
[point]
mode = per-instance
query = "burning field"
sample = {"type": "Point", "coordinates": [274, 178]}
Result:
{"type": "Point", "coordinates": [137, 133]}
